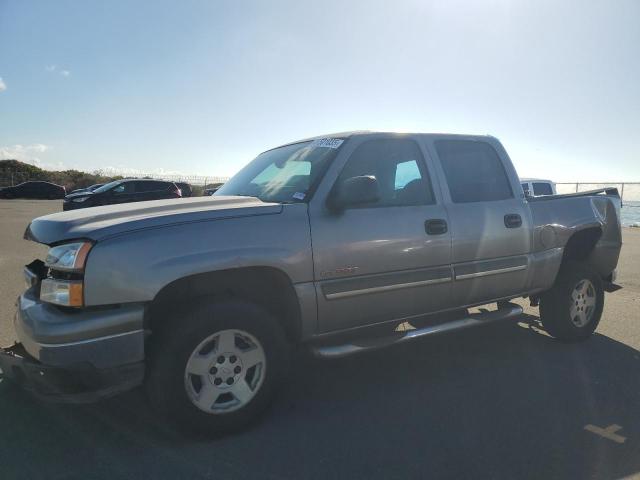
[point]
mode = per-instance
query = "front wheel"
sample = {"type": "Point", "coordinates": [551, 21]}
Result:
{"type": "Point", "coordinates": [572, 308]}
{"type": "Point", "coordinates": [216, 371]}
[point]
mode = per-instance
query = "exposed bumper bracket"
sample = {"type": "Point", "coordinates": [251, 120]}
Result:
{"type": "Point", "coordinates": [611, 287]}
{"type": "Point", "coordinates": [81, 383]}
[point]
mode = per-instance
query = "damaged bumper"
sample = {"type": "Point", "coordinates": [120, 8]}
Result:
{"type": "Point", "coordinates": [75, 355]}
{"type": "Point", "coordinates": [80, 383]}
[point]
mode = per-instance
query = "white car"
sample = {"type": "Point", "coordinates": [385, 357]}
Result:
{"type": "Point", "coordinates": [535, 187]}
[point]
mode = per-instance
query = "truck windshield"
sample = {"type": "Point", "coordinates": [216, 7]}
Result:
{"type": "Point", "coordinates": [285, 174]}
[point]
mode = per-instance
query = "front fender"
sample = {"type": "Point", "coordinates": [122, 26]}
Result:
{"type": "Point", "coordinates": [134, 267]}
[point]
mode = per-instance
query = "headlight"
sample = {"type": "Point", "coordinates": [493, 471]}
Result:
{"type": "Point", "coordinates": [79, 200]}
{"type": "Point", "coordinates": [62, 292]}
{"type": "Point", "coordinates": [68, 257]}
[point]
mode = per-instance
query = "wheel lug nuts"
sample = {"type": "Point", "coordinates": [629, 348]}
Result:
{"type": "Point", "coordinates": [229, 381]}
{"type": "Point", "coordinates": [213, 370]}
{"type": "Point", "coordinates": [233, 359]}
{"type": "Point", "coordinates": [221, 359]}
{"type": "Point", "coordinates": [217, 381]}
{"type": "Point", "coordinates": [237, 369]}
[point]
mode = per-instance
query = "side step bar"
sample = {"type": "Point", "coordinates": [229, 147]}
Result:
{"type": "Point", "coordinates": [505, 312]}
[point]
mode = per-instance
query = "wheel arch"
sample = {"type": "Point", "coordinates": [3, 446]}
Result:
{"type": "Point", "coordinates": [581, 244]}
{"type": "Point", "coordinates": [269, 287]}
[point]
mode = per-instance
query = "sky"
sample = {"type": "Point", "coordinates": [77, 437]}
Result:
{"type": "Point", "coordinates": [202, 87]}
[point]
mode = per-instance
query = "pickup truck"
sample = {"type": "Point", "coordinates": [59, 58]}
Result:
{"type": "Point", "coordinates": [341, 244]}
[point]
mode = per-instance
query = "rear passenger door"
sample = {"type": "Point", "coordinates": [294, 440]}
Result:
{"type": "Point", "coordinates": [381, 261]}
{"type": "Point", "coordinates": [490, 222]}
{"type": "Point", "coordinates": [150, 190]}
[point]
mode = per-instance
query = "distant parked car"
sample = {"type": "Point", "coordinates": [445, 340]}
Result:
{"type": "Point", "coordinates": [185, 188]}
{"type": "Point", "coordinates": [536, 187]}
{"type": "Point", "coordinates": [209, 191]}
{"type": "Point", "coordinates": [122, 191]}
{"type": "Point", "coordinates": [88, 189]}
{"type": "Point", "coordinates": [34, 189]}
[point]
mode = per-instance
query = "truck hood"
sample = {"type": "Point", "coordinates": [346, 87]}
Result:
{"type": "Point", "coordinates": [97, 223]}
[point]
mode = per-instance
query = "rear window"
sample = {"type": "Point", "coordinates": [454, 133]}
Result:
{"type": "Point", "coordinates": [473, 171]}
{"type": "Point", "coordinates": [540, 188]}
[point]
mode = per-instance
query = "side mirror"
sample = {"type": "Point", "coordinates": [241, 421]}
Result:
{"type": "Point", "coordinates": [354, 191]}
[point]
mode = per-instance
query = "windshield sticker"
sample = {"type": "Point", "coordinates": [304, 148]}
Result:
{"type": "Point", "coordinates": [327, 142]}
{"type": "Point", "coordinates": [298, 195]}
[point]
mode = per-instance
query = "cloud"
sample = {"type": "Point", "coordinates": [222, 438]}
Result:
{"type": "Point", "coordinates": [3, 86]}
{"type": "Point", "coordinates": [55, 69]}
{"type": "Point", "coordinates": [29, 154]}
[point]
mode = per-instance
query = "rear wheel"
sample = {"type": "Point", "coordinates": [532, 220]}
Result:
{"type": "Point", "coordinates": [217, 370]}
{"type": "Point", "coordinates": [572, 308]}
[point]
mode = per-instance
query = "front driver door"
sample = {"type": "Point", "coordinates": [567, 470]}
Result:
{"type": "Point", "coordinates": [384, 261]}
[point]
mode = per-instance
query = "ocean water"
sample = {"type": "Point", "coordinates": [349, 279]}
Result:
{"type": "Point", "coordinates": [630, 214]}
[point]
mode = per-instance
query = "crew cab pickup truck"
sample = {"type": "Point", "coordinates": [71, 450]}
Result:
{"type": "Point", "coordinates": [340, 244]}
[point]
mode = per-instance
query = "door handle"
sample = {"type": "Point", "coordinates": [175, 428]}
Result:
{"type": "Point", "coordinates": [436, 226]}
{"type": "Point", "coordinates": [512, 220]}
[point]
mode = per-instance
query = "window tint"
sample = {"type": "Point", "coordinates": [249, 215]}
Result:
{"type": "Point", "coordinates": [473, 170]}
{"type": "Point", "coordinates": [540, 188]}
{"type": "Point", "coordinates": [398, 167]}
{"type": "Point", "coordinates": [124, 188]}
{"type": "Point", "coordinates": [149, 186]}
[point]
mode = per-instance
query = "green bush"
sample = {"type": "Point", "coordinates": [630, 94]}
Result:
{"type": "Point", "coordinates": [13, 172]}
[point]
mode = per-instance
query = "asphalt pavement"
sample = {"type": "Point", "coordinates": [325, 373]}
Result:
{"type": "Point", "coordinates": [504, 401]}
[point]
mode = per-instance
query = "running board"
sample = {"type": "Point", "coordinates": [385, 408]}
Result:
{"type": "Point", "coordinates": [507, 311]}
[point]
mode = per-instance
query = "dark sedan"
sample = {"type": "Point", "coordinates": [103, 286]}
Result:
{"type": "Point", "coordinates": [122, 191]}
{"type": "Point", "coordinates": [35, 189]}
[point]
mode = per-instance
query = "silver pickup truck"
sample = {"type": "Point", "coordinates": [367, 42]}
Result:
{"type": "Point", "coordinates": [342, 243]}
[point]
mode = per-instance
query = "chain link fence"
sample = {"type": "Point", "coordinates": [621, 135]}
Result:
{"type": "Point", "coordinates": [83, 179]}
{"type": "Point", "coordinates": [629, 191]}
{"type": "Point", "coordinates": [200, 180]}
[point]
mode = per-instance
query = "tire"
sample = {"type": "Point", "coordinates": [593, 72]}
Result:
{"type": "Point", "coordinates": [571, 309]}
{"type": "Point", "coordinates": [187, 371]}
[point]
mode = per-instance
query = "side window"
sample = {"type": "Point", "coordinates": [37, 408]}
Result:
{"type": "Point", "coordinates": [123, 188]}
{"type": "Point", "coordinates": [525, 189]}
{"type": "Point", "coordinates": [149, 186]}
{"type": "Point", "coordinates": [405, 173]}
{"type": "Point", "coordinates": [398, 166]}
{"type": "Point", "coordinates": [541, 188]}
{"type": "Point", "coordinates": [159, 186]}
{"type": "Point", "coordinates": [473, 171]}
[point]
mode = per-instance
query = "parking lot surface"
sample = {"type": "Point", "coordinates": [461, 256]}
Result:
{"type": "Point", "coordinates": [504, 401]}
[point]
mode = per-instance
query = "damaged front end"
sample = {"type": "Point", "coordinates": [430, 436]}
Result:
{"type": "Point", "coordinates": [68, 351]}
